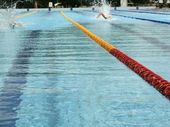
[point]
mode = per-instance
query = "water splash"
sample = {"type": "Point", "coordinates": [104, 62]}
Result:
{"type": "Point", "coordinates": [102, 6]}
{"type": "Point", "coordinates": [105, 7]}
{"type": "Point", "coordinates": [7, 18]}
{"type": "Point", "coordinates": [7, 15]}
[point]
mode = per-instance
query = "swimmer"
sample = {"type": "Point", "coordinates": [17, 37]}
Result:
{"type": "Point", "coordinates": [104, 16]}
{"type": "Point", "coordinates": [15, 25]}
{"type": "Point", "coordinates": [12, 25]}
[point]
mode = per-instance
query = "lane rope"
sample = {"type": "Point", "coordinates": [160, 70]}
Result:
{"type": "Point", "coordinates": [151, 20]}
{"type": "Point", "coordinates": [141, 11]}
{"type": "Point", "coordinates": [162, 85]}
{"type": "Point", "coordinates": [25, 14]}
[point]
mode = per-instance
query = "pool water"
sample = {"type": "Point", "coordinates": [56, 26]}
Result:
{"type": "Point", "coordinates": [52, 75]}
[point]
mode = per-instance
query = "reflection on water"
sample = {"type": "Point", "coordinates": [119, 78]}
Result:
{"type": "Point", "coordinates": [14, 82]}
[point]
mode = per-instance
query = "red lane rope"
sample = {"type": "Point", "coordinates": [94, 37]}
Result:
{"type": "Point", "coordinates": [152, 78]}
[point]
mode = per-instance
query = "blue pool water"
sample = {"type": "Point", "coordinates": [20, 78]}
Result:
{"type": "Point", "coordinates": [52, 75]}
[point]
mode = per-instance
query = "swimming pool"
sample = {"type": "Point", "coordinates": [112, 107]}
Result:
{"type": "Point", "coordinates": [53, 75]}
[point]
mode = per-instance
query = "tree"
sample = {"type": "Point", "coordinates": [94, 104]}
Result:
{"type": "Point", "coordinates": [70, 3]}
{"type": "Point", "coordinates": [137, 2]}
